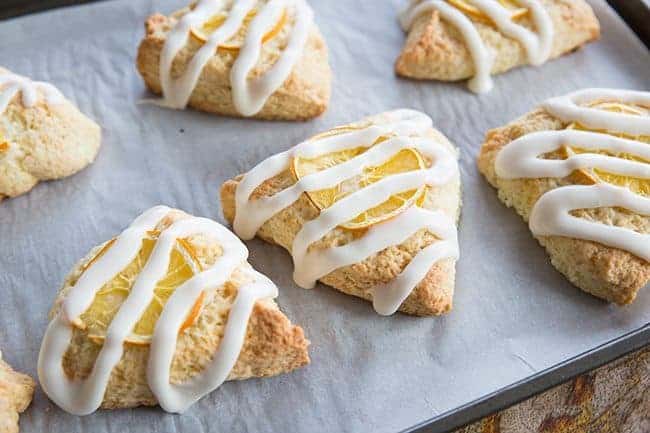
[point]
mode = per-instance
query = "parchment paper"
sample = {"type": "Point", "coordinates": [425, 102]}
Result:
{"type": "Point", "coordinates": [513, 313]}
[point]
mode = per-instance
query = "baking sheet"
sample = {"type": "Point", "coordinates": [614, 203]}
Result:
{"type": "Point", "coordinates": [513, 315]}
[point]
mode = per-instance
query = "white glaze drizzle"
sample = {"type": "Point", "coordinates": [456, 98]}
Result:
{"type": "Point", "coordinates": [550, 216]}
{"type": "Point", "coordinates": [249, 94]}
{"type": "Point", "coordinates": [482, 56]}
{"type": "Point", "coordinates": [518, 158]}
{"type": "Point", "coordinates": [570, 108]}
{"type": "Point", "coordinates": [409, 127]}
{"type": "Point", "coordinates": [537, 45]}
{"type": "Point", "coordinates": [31, 91]}
{"type": "Point", "coordinates": [84, 397]}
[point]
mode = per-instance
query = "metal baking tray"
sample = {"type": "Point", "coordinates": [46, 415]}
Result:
{"type": "Point", "coordinates": [636, 14]}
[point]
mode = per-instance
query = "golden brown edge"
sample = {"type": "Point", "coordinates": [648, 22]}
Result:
{"type": "Point", "coordinates": [435, 49]}
{"type": "Point", "coordinates": [16, 393]}
{"type": "Point", "coordinates": [304, 95]}
{"type": "Point", "coordinates": [432, 296]}
{"type": "Point", "coordinates": [608, 273]}
{"type": "Point", "coordinates": [273, 345]}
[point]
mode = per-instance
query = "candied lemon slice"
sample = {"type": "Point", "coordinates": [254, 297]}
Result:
{"type": "Point", "coordinates": [468, 8]}
{"type": "Point", "coordinates": [203, 32]}
{"type": "Point", "coordinates": [403, 161]}
{"type": "Point", "coordinates": [182, 266]}
{"type": "Point", "coordinates": [618, 107]}
{"type": "Point", "coordinates": [579, 177]}
{"type": "Point", "coordinates": [592, 176]}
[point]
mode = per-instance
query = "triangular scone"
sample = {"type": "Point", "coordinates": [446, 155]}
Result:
{"type": "Point", "coordinates": [16, 391]}
{"type": "Point", "coordinates": [578, 170]}
{"type": "Point", "coordinates": [459, 39]}
{"type": "Point", "coordinates": [206, 298]}
{"type": "Point", "coordinates": [208, 56]}
{"type": "Point", "coordinates": [42, 135]}
{"type": "Point", "coordinates": [373, 214]}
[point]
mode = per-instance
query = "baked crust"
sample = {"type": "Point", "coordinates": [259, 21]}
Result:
{"type": "Point", "coordinates": [16, 391]}
{"type": "Point", "coordinates": [436, 50]}
{"type": "Point", "coordinates": [45, 142]}
{"type": "Point", "coordinates": [432, 296]}
{"type": "Point", "coordinates": [273, 345]}
{"type": "Point", "coordinates": [304, 94]}
{"type": "Point", "coordinates": [608, 273]}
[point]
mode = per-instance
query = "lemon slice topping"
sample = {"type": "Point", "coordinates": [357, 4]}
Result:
{"type": "Point", "coordinates": [183, 265]}
{"type": "Point", "coordinates": [593, 176]}
{"type": "Point", "coordinates": [213, 23]}
{"type": "Point", "coordinates": [469, 9]}
{"type": "Point", "coordinates": [401, 162]}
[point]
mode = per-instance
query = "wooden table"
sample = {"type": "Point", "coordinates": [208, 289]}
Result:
{"type": "Point", "coordinates": [612, 398]}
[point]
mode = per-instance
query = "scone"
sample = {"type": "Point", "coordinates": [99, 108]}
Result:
{"type": "Point", "coordinates": [250, 58]}
{"type": "Point", "coordinates": [163, 314]}
{"type": "Point", "coordinates": [369, 208]}
{"type": "Point", "coordinates": [578, 170]}
{"type": "Point", "coordinates": [42, 135]}
{"type": "Point", "coordinates": [459, 39]}
{"type": "Point", "coordinates": [16, 391]}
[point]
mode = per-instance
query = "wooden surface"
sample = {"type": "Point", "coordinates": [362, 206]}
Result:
{"type": "Point", "coordinates": [612, 399]}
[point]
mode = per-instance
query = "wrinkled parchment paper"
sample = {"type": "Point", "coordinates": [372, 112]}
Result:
{"type": "Point", "coordinates": [513, 313]}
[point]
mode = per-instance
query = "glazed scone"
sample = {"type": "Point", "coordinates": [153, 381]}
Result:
{"type": "Point", "coordinates": [251, 58]}
{"type": "Point", "coordinates": [177, 293]}
{"type": "Point", "coordinates": [16, 391]}
{"type": "Point", "coordinates": [42, 135]}
{"type": "Point", "coordinates": [368, 208]}
{"type": "Point", "coordinates": [459, 39]}
{"type": "Point", "coordinates": [578, 170]}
